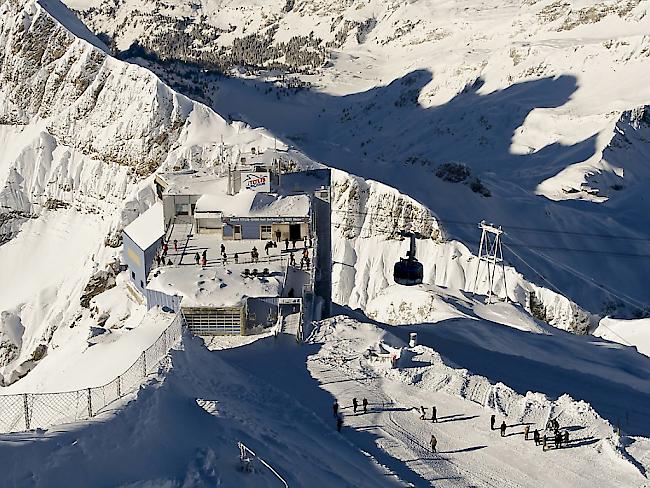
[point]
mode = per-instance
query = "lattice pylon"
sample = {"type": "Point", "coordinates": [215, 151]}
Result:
{"type": "Point", "coordinates": [490, 251]}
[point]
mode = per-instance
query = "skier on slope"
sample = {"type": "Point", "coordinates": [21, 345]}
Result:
{"type": "Point", "coordinates": [355, 404]}
{"type": "Point", "coordinates": [434, 443]}
{"type": "Point", "coordinates": [365, 405]}
{"type": "Point", "coordinates": [493, 420]}
{"type": "Point", "coordinates": [335, 408]}
{"type": "Point", "coordinates": [503, 428]}
{"type": "Point", "coordinates": [434, 414]}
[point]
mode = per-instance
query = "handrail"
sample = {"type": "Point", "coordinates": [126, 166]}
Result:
{"type": "Point", "coordinates": [243, 450]}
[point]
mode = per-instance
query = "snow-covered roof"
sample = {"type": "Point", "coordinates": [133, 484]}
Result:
{"type": "Point", "coordinates": [194, 183]}
{"type": "Point", "coordinates": [251, 204]}
{"type": "Point", "coordinates": [270, 205]}
{"type": "Point", "coordinates": [148, 227]}
{"type": "Point", "coordinates": [219, 286]}
{"type": "Point", "coordinates": [209, 203]}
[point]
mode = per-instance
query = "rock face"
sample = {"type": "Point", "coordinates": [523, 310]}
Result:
{"type": "Point", "coordinates": [99, 283]}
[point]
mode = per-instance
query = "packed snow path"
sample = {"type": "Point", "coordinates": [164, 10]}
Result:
{"type": "Point", "coordinates": [470, 453]}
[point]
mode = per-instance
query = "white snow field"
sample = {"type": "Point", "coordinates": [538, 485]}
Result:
{"type": "Point", "coordinates": [544, 102]}
{"type": "Point", "coordinates": [276, 396]}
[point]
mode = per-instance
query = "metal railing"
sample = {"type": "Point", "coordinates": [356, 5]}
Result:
{"type": "Point", "coordinates": [25, 411]}
{"type": "Point", "coordinates": [246, 456]}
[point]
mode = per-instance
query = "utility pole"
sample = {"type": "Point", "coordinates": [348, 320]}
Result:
{"type": "Point", "coordinates": [221, 160]}
{"type": "Point", "coordinates": [490, 251]}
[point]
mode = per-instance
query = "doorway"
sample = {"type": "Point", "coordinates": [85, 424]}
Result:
{"type": "Point", "coordinates": [294, 232]}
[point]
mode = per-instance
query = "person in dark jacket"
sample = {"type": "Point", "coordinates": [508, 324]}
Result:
{"type": "Point", "coordinates": [335, 408]}
{"type": "Point", "coordinates": [503, 428]}
{"type": "Point", "coordinates": [434, 414]}
{"type": "Point", "coordinates": [365, 405]}
{"type": "Point", "coordinates": [423, 412]}
{"type": "Point", "coordinates": [278, 235]}
{"type": "Point", "coordinates": [286, 243]}
{"type": "Point", "coordinates": [197, 258]}
{"type": "Point", "coordinates": [526, 432]}
{"type": "Point", "coordinates": [355, 404]}
{"type": "Point", "coordinates": [536, 437]}
{"type": "Point", "coordinates": [566, 438]}
{"type": "Point", "coordinates": [433, 442]}
{"type": "Point", "coordinates": [493, 420]}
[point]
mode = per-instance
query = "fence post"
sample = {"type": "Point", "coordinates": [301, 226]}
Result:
{"type": "Point", "coordinates": [119, 387]}
{"type": "Point", "coordinates": [26, 409]}
{"type": "Point", "coordinates": [90, 404]}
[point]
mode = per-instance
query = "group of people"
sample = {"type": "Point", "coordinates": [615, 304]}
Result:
{"type": "Point", "coordinates": [434, 413]}
{"type": "Point", "coordinates": [201, 259]}
{"type": "Point", "coordinates": [558, 437]}
{"type": "Point", "coordinates": [269, 245]}
{"type": "Point", "coordinates": [306, 241]}
{"type": "Point", "coordinates": [355, 406]}
{"type": "Point", "coordinates": [304, 260]}
{"type": "Point", "coordinates": [162, 255]}
{"type": "Point", "coordinates": [433, 442]}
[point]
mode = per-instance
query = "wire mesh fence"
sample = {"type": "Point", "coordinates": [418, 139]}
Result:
{"type": "Point", "coordinates": [26, 411]}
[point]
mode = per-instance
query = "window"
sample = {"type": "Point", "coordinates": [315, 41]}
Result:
{"type": "Point", "coordinates": [132, 275]}
{"type": "Point", "coordinates": [236, 231]}
{"type": "Point", "coordinates": [265, 231]}
{"type": "Point", "coordinates": [182, 209]}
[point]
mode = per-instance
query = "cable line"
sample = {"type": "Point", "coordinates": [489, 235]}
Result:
{"type": "Point", "coordinates": [434, 218]}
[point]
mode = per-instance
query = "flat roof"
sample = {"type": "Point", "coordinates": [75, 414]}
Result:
{"type": "Point", "coordinates": [273, 205]}
{"type": "Point", "coordinates": [216, 286]}
{"type": "Point", "coordinates": [148, 227]}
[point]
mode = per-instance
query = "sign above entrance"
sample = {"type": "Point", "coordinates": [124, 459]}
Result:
{"type": "Point", "coordinates": [259, 182]}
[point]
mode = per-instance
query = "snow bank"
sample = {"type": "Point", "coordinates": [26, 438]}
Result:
{"type": "Point", "coordinates": [627, 332]}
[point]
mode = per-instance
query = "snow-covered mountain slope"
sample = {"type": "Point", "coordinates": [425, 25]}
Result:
{"type": "Point", "coordinates": [366, 217]}
{"type": "Point", "coordinates": [339, 361]}
{"type": "Point", "coordinates": [542, 102]}
{"type": "Point", "coordinates": [183, 432]}
{"type": "Point", "coordinates": [80, 131]}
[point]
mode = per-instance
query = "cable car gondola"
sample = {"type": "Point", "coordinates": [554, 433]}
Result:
{"type": "Point", "coordinates": [409, 271]}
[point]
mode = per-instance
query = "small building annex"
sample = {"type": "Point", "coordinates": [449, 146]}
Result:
{"type": "Point", "coordinates": [142, 239]}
